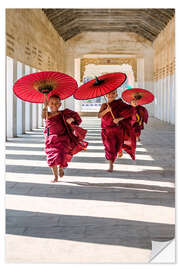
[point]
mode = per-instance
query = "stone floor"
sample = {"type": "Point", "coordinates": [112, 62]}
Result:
{"type": "Point", "coordinates": [90, 216]}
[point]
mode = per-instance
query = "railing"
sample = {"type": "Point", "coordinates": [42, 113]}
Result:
{"type": "Point", "coordinates": [90, 107]}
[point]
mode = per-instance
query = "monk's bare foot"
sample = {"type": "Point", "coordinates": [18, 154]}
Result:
{"type": "Point", "coordinates": [61, 172]}
{"type": "Point", "coordinates": [55, 180]}
{"type": "Point", "coordinates": [110, 167]}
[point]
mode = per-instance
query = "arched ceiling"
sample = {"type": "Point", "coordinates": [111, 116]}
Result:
{"type": "Point", "coordinates": [148, 23]}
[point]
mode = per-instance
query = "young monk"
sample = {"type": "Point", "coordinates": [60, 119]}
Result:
{"type": "Point", "coordinates": [141, 118]}
{"type": "Point", "coordinates": [65, 137]}
{"type": "Point", "coordinates": [117, 133]}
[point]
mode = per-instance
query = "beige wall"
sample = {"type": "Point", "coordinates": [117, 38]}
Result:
{"type": "Point", "coordinates": [164, 52]}
{"type": "Point", "coordinates": [116, 43]}
{"type": "Point", "coordinates": [32, 40]}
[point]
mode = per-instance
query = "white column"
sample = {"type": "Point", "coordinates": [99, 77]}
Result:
{"type": "Point", "coordinates": [173, 99]}
{"type": "Point", "coordinates": [30, 106]}
{"type": "Point", "coordinates": [69, 69]}
{"type": "Point", "coordinates": [27, 106]}
{"type": "Point", "coordinates": [19, 102]}
{"type": "Point", "coordinates": [23, 105]}
{"type": "Point", "coordinates": [77, 103]}
{"type": "Point", "coordinates": [155, 99]}
{"type": "Point", "coordinates": [39, 120]}
{"type": "Point", "coordinates": [148, 106]}
{"type": "Point", "coordinates": [165, 99]}
{"type": "Point", "coordinates": [14, 99]}
{"type": "Point", "coordinates": [9, 96]}
{"type": "Point", "coordinates": [156, 92]}
{"type": "Point", "coordinates": [161, 99]}
{"type": "Point", "coordinates": [168, 99]}
{"type": "Point", "coordinates": [39, 115]}
{"type": "Point", "coordinates": [140, 72]}
{"type": "Point", "coordinates": [34, 110]}
{"type": "Point", "coordinates": [69, 103]}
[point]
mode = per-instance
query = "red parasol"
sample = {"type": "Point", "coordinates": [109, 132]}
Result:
{"type": "Point", "coordinates": [100, 86]}
{"type": "Point", "coordinates": [32, 87]}
{"type": "Point", "coordinates": [38, 87]}
{"type": "Point", "coordinates": [141, 96]}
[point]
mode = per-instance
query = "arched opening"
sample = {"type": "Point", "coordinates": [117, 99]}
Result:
{"type": "Point", "coordinates": [92, 70]}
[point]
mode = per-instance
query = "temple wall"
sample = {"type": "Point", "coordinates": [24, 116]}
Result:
{"type": "Point", "coordinates": [32, 40]}
{"type": "Point", "coordinates": [32, 45]}
{"type": "Point", "coordinates": [164, 73]}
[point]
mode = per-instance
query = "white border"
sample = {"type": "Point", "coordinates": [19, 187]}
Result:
{"type": "Point", "coordinates": [77, 4]}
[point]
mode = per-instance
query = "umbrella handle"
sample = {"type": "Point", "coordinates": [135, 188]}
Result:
{"type": "Point", "coordinates": [110, 109]}
{"type": "Point", "coordinates": [45, 95]}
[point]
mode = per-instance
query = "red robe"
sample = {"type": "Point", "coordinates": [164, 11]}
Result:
{"type": "Point", "coordinates": [141, 118]}
{"type": "Point", "coordinates": [122, 136]}
{"type": "Point", "coordinates": [64, 140]}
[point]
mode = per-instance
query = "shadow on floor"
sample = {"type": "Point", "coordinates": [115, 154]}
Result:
{"type": "Point", "coordinates": [98, 193]}
{"type": "Point", "coordinates": [97, 230]}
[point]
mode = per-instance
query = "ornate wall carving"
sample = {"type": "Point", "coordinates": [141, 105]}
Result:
{"type": "Point", "coordinates": [109, 61]}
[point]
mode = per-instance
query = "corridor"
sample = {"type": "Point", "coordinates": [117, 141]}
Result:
{"type": "Point", "coordinates": [90, 216]}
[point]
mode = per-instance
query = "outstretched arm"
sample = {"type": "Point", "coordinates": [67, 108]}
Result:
{"type": "Point", "coordinates": [72, 117]}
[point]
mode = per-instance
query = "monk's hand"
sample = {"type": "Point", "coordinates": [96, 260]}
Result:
{"type": "Point", "coordinates": [121, 118]}
{"type": "Point", "coordinates": [116, 120]}
{"type": "Point", "coordinates": [108, 108]}
{"type": "Point", "coordinates": [70, 120]}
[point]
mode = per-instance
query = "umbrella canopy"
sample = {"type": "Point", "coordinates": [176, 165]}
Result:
{"type": "Point", "coordinates": [141, 96]}
{"type": "Point", "coordinates": [100, 86]}
{"type": "Point", "coordinates": [33, 87]}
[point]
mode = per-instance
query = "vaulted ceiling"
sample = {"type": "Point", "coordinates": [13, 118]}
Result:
{"type": "Point", "coordinates": [146, 22]}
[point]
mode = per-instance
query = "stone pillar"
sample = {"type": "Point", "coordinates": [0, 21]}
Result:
{"type": "Point", "coordinates": [34, 110]}
{"type": "Point", "coordinates": [27, 106]}
{"type": "Point", "coordinates": [69, 69]}
{"type": "Point", "coordinates": [19, 102]}
{"type": "Point", "coordinates": [171, 104]}
{"type": "Point", "coordinates": [158, 98]}
{"type": "Point", "coordinates": [140, 72]}
{"type": "Point", "coordinates": [14, 99]}
{"type": "Point", "coordinates": [30, 104]}
{"type": "Point", "coordinates": [168, 98]}
{"type": "Point", "coordinates": [23, 105]}
{"type": "Point", "coordinates": [39, 120]}
{"type": "Point", "coordinates": [173, 100]}
{"type": "Point", "coordinates": [77, 76]}
{"type": "Point", "coordinates": [161, 99]}
{"type": "Point", "coordinates": [10, 98]}
{"type": "Point", "coordinates": [39, 115]}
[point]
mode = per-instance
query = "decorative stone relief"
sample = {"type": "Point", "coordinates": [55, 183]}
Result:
{"type": "Point", "coordinates": [109, 61]}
